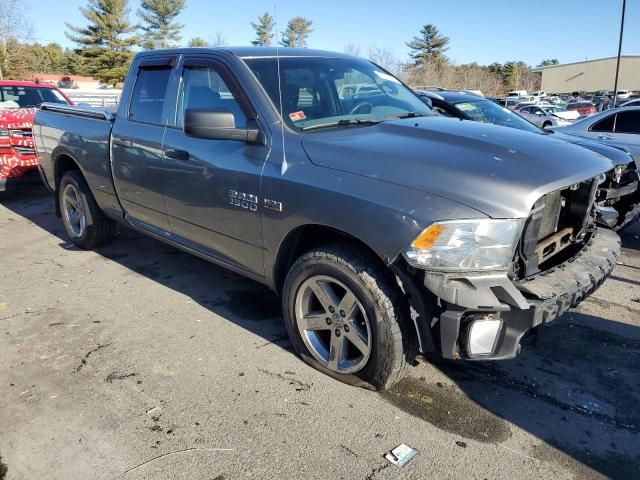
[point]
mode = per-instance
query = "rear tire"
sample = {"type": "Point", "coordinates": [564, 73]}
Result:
{"type": "Point", "coordinates": [371, 337]}
{"type": "Point", "coordinates": [84, 222]}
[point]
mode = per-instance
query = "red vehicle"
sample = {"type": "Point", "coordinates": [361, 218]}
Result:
{"type": "Point", "coordinates": [583, 108]}
{"type": "Point", "coordinates": [18, 104]}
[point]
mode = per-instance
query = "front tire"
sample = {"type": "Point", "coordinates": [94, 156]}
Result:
{"type": "Point", "coordinates": [84, 222]}
{"type": "Point", "coordinates": [345, 310]}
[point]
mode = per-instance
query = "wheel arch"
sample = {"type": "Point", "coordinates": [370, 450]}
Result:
{"type": "Point", "coordinates": [305, 237]}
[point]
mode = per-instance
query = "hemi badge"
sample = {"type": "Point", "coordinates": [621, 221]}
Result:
{"type": "Point", "coordinates": [273, 205]}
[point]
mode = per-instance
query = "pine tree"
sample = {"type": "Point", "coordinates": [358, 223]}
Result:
{"type": "Point", "coordinates": [297, 33]}
{"type": "Point", "coordinates": [198, 42]}
{"type": "Point", "coordinates": [264, 30]}
{"type": "Point", "coordinates": [160, 29]}
{"type": "Point", "coordinates": [429, 47]}
{"type": "Point", "coordinates": [105, 45]}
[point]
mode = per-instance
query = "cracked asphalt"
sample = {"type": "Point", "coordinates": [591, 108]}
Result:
{"type": "Point", "coordinates": [138, 361]}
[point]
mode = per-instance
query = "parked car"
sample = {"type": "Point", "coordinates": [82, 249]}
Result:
{"type": "Point", "coordinates": [618, 127]}
{"type": "Point", "coordinates": [618, 202]}
{"type": "Point", "coordinates": [357, 210]}
{"type": "Point", "coordinates": [548, 115]}
{"type": "Point", "coordinates": [632, 103]}
{"type": "Point", "coordinates": [624, 94]}
{"type": "Point", "coordinates": [18, 102]}
{"type": "Point", "coordinates": [583, 108]}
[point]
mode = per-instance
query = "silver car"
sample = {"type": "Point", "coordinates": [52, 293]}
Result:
{"type": "Point", "coordinates": [618, 127]}
{"type": "Point", "coordinates": [548, 115]}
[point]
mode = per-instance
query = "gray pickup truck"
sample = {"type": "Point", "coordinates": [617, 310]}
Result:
{"type": "Point", "coordinates": [389, 232]}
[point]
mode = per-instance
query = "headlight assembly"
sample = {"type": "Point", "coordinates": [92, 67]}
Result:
{"type": "Point", "coordinates": [460, 245]}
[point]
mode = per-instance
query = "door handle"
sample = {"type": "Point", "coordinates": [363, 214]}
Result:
{"type": "Point", "coordinates": [123, 143]}
{"type": "Point", "coordinates": [604, 137]}
{"type": "Point", "coordinates": [176, 154]}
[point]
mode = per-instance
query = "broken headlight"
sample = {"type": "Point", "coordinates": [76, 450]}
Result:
{"type": "Point", "coordinates": [483, 244]}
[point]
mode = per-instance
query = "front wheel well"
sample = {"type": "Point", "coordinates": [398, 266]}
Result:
{"type": "Point", "coordinates": [307, 237]}
{"type": "Point", "coordinates": [62, 164]}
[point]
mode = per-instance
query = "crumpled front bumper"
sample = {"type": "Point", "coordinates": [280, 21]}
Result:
{"type": "Point", "coordinates": [520, 305]}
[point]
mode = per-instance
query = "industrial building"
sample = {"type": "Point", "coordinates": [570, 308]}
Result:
{"type": "Point", "coordinates": [592, 75]}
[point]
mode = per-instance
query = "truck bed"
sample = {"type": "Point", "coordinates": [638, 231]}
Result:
{"type": "Point", "coordinates": [81, 133]}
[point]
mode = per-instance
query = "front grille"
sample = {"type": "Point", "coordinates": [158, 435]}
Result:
{"type": "Point", "coordinates": [22, 132]}
{"type": "Point", "coordinates": [25, 151]}
{"type": "Point", "coordinates": [558, 224]}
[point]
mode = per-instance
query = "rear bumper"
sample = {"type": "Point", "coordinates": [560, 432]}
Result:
{"type": "Point", "coordinates": [519, 306]}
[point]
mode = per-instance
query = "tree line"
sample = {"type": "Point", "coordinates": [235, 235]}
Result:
{"type": "Point", "coordinates": [105, 46]}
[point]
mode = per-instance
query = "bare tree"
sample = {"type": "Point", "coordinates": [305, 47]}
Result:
{"type": "Point", "coordinates": [383, 57]}
{"type": "Point", "coordinates": [352, 49]}
{"type": "Point", "coordinates": [14, 28]}
{"type": "Point", "coordinates": [218, 40]}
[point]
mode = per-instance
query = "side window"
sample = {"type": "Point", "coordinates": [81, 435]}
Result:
{"type": "Point", "coordinates": [628, 122]}
{"type": "Point", "coordinates": [203, 87]}
{"type": "Point", "coordinates": [147, 99]}
{"type": "Point", "coordinates": [604, 125]}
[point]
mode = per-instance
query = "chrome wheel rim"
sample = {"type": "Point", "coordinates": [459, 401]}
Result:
{"type": "Point", "coordinates": [73, 211]}
{"type": "Point", "coordinates": [333, 324]}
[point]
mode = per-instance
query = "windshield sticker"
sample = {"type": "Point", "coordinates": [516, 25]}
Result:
{"type": "Point", "coordinates": [297, 116]}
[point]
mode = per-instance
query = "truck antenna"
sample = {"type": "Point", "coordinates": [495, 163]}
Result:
{"type": "Point", "coordinates": [284, 153]}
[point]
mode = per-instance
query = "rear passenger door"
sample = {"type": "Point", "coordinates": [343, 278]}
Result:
{"type": "Point", "coordinates": [136, 145]}
{"type": "Point", "coordinates": [212, 187]}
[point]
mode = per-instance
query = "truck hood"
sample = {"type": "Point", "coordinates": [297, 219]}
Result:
{"type": "Point", "coordinates": [499, 171]}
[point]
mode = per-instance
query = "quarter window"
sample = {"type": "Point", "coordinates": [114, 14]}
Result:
{"type": "Point", "coordinates": [628, 122]}
{"type": "Point", "coordinates": [604, 125]}
{"type": "Point", "coordinates": [147, 100]}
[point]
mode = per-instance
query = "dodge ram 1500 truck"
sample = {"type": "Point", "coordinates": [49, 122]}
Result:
{"type": "Point", "coordinates": [388, 231]}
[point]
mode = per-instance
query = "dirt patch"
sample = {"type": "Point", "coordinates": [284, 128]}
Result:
{"type": "Point", "coordinates": [448, 409]}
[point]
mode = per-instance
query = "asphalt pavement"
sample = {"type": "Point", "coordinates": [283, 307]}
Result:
{"type": "Point", "coordinates": [138, 361]}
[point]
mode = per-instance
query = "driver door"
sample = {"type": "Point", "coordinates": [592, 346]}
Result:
{"type": "Point", "coordinates": [204, 179]}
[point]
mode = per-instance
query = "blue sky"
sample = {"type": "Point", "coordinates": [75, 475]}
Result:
{"type": "Point", "coordinates": [485, 31]}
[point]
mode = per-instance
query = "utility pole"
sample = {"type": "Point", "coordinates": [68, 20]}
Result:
{"type": "Point", "coordinates": [615, 87]}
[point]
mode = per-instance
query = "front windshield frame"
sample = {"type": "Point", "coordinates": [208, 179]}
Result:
{"type": "Point", "coordinates": [519, 122]}
{"type": "Point", "coordinates": [326, 73]}
{"type": "Point", "coordinates": [10, 96]}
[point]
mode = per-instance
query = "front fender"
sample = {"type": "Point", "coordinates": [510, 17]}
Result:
{"type": "Point", "coordinates": [384, 216]}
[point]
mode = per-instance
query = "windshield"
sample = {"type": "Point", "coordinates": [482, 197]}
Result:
{"type": "Point", "coordinates": [487, 111]}
{"type": "Point", "coordinates": [23, 97]}
{"type": "Point", "coordinates": [335, 92]}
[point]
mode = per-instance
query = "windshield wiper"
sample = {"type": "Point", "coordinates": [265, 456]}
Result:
{"type": "Point", "coordinates": [340, 123]}
{"type": "Point", "coordinates": [408, 115]}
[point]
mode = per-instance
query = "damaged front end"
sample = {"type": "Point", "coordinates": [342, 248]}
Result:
{"type": "Point", "coordinates": [560, 257]}
{"type": "Point", "coordinates": [618, 200]}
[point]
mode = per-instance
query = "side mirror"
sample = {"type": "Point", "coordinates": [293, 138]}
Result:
{"type": "Point", "coordinates": [217, 124]}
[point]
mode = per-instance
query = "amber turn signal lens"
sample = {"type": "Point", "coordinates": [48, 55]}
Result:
{"type": "Point", "coordinates": [426, 240]}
